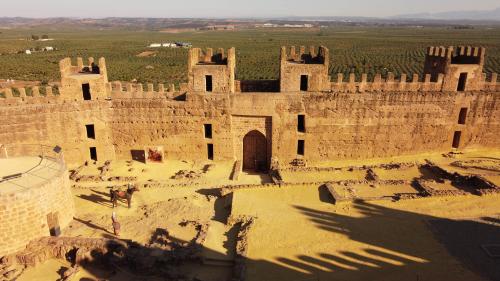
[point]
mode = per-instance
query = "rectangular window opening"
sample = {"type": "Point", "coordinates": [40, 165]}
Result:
{"type": "Point", "coordinates": [208, 83]}
{"type": "Point", "coordinates": [86, 91]}
{"type": "Point", "coordinates": [301, 123]}
{"type": "Point", "coordinates": [462, 116]}
{"type": "Point", "coordinates": [300, 147]}
{"type": "Point", "coordinates": [304, 81]}
{"type": "Point", "coordinates": [90, 131]}
{"type": "Point", "coordinates": [210, 151]}
{"type": "Point", "coordinates": [208, 131]}
{"type": "Point", "coordinates": [93, 153]}
{"type": "Point", "coordinates": [456, 139]}
{"type": "Point", "coordinates": [462, 82]}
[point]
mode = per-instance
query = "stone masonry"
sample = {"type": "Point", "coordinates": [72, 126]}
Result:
{"type": "Point", "coordinates": [24, 213]}
{"type": "Point", "coordinates": [452, 106]}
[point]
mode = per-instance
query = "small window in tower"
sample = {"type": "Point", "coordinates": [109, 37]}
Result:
{"type": "Point", "coordinates": [208, 131]}
{"type": "Point", "coordinates": [93, 153]}
{"type": "Point", "coordinates": [456, 139]}
{"type": "Point", "coordinates": [86, 91]}
{"type": "Point", "coordinates": [301, 123]}
{"type": "Point", "coordinates": [300, 147]}
{"type": "Point", "coordinates": [90, 131]}
{"type": "Point", "coordinates": [462, 82]}
{"type": "Point", "coordinates": [462, 116]}
{"type": "Point", "coordinates": [304, 81]}
{"type": "Point", "coordinates": [210, 151]}
{"type": "Point", "coordinates": [208, 83]}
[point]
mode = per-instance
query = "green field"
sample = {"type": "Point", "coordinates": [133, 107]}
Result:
{"type": "Point", "coordinates": [353, 49]}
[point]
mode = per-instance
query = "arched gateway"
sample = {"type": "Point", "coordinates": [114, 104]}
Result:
{"type": "Point", "coordinates": [255, 151]}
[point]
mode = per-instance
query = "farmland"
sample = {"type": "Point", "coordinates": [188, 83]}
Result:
{"type": "Point", "coordinates": [353, 49]}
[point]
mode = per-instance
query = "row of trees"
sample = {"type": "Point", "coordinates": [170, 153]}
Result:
{"type": "Point", "coordinates": [36, 37]}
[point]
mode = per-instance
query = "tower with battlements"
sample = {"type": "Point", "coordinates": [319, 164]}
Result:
{"type": "Point", "coordinates": [302, 115]}
{"type": "Point", "coordinates": [209, 72]}
{"type": "Point", "coordinates": [83, 82]}
{"type": "Point", "coordinates": [462, 67]}
{"type": "Point", "coordinates": [302, 71]}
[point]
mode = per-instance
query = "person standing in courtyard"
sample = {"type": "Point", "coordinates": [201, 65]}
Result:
{"type": "Point", "coordinates": [116, 224]}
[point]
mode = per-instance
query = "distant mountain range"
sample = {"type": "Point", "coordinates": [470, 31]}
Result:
{"type": "Point", "coordinates": [447, 18]}
{"type": "Point", "coordinates": [493, 15]}
{"type": "Point", "coordinates": [490, 17]}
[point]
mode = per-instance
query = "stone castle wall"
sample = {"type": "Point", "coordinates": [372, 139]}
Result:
{"type": "Point", "coordinates": [23, 212]}
{"type": "Point", "coordinates": [338, 126]}
{"type": "Point", "coordinates": [343, 119]}
{"type": "Point", "coordinates": [53, 121]}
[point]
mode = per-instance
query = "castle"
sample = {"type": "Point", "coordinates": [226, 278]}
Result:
{"type": "Point", "coordinates": [301, 117]}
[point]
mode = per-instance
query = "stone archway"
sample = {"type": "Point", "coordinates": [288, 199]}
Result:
{"type": "Point", "coordinates": [255, 152]}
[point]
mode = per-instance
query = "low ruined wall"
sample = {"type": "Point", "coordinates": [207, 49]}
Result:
{"type": "Point", "coordinates": [23, 213]}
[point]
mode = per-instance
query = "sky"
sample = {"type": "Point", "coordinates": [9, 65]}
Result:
{"type": "Point", "coordinates": [233, 8]}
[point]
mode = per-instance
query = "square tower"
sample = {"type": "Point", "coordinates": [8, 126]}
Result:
{"type": "Point", "coordinates": [304, 72]}
{"type": "Point", "coordinates": [83, 82]}
{"type": "Point", "coordinates": [209, 72]}
{"type": "Point", "coordinates": [462, 67]}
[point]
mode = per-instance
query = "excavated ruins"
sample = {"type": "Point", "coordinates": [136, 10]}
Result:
{"type": "Point", "coordinates": [298, 178]}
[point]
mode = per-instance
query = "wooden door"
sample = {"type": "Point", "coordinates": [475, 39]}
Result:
{"type": "Point", "coordinates": [255, 151]}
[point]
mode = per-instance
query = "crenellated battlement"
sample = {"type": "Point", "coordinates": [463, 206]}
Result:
{"type": "Point", "coordinates": [83, 81]}
{"type": "Point", "coordinates": [389, 84]}
{"type": "Point", "coordinates": [67, 69]}
{"type": "Point", "coordinates": [209, 72]}
{"type": "Point", "coordinates": [121, 90]}
{"type": "Point", "coordinates": [304, 114]}
{"type": "Point", "coordinates": [304, 72]}
{"type": "Point", "coordinates": [415, 83]}
{"type": "Point", "coordinates": [440, 51]}
{"type": "Point", "coordinates": [461, 66]}
{"type": "Point", "coordinates": [199, 56]}
{"type": "Point", "coordinates": [321, 56]}
{"type": "Point", "coordinates": [35, 94]}
{"type": "Point", "coordinates": [457, 55]}
{"type": "Point", "coordinates": [447, 69]}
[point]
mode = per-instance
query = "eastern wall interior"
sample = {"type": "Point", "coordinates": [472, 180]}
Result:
{"type": "Point", "coordinates": [338, 126]}
{"type": "Point", "coordinates": [345, 120]}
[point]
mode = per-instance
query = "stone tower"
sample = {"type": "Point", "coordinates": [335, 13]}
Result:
{"type": "Point", "coordinates": [88, 86]}
{"type": "Point", "coordinates": [303, 71]}
{"type": "Point", "coordinates": [462, 67]}
{"type": "Point", "coordinates": [209, 72]}
{"type": "Point", "coordinates": [83, 82]}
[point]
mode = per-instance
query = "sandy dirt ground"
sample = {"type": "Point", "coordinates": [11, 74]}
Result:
{"type": "Point", "coordinates": [358, 241]}
{"type": "Point", "coordinates": [298, 233]}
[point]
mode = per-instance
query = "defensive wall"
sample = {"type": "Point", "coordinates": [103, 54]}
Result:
{"type": "Point", "coordinates": [302, 115]}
